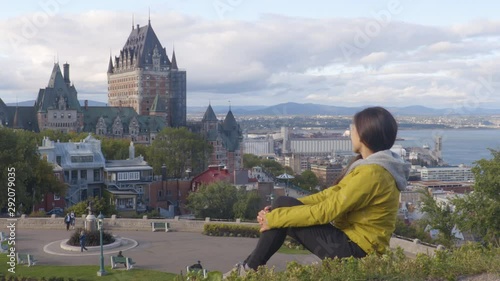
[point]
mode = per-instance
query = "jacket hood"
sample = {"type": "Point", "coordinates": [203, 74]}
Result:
{"type": "Point", "coordinates": [390, 161]}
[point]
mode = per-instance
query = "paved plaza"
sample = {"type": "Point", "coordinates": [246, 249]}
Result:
{"type": "Point", "coordinates": [163, 251]}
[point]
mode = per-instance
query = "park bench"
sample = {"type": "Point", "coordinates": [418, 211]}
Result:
{"type": "Point", "coordinates": [25, 259]}
{"type": "Point", "coordinates": [122, 260]}
{"type": "Point", "coordinates": [160, 226]}
{"type": "Point", "coordinates": [195, 270]}
{"type": "Point", "coordinates": [4, 248]}
{"type": "Point", "coordinates": [3, 236]}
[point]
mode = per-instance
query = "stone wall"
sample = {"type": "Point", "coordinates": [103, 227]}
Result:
{"type": "Point", "coordinates": [182, 225]}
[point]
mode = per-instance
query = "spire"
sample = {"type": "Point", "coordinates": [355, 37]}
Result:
{"type": "Point", "coordinates": [110, 66]}
{"type": "Point", "coordinates": [132, 21]}
{"type": "Point", "coordinates": [209, 115]}
{"type": "Point", "coordinates": [230, 122]}
{"type": "Point", "coordinates": [149, 15]}
{"type": "Point", "coordinates": [174, 61]}
{"type": "Point", "coordinates": [15, 122]}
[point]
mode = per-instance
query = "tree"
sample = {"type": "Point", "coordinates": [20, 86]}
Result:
{"type": "Point", "coordinates": [215, 200]}
{"type": "Point", "coordinates": [250, 161]}
{"type": "Point", "coordinates": [31, 177]}
{"type": "Point", "coordinates": [115, 149]}
{"type": "Point", "coordinates": [98, 205]}
{"type": "Point", "coordinates": [440, 217]}
{"type": "Point", "coordinates": [272, 167]}
{"type": "Point", "coordinates": [179, 149]}
{"type": "Point", "coordinates": [307, 180]}
{"type": "Point", "coordinates": [479, 211]}
{"type": "Point", "coordinates": [247, 205]}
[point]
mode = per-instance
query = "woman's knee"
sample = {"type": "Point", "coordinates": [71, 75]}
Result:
{"type": "Point", "coordinates": [286, 201]}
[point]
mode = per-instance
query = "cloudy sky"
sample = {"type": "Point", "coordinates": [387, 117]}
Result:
{"type": "Point", "coordinates": [252, 52]}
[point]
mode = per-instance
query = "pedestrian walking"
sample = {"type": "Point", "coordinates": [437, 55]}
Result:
{"type": "Point", "coordinates": [72, 216]}
{"type": "Point", "coordinates": [82, 241]}
{"type": "Point", "coordinates": [67, 220]}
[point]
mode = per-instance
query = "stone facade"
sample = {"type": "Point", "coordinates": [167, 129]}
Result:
{"type": "Point", "coordinates": [143, 77]}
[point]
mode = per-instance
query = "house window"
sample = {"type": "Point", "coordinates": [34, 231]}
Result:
{"type": "Point", "coordinates": [57, 197]}
{"type": "Point", "coordinates": [97, 175]}
{"type": "Point", "coordinates": [83, 174]}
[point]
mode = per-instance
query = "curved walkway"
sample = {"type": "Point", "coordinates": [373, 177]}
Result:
{"type": "Point", "coordinates": [163, 251]}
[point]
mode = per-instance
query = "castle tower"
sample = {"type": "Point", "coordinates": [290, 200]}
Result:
{"type": "Point", "coordinates": [57, 106]}
{"type": "Point", "coordinates": [142, 72]}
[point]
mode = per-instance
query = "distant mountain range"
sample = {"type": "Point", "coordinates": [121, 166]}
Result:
{"type": "Point", "coordinates": [310, 109]}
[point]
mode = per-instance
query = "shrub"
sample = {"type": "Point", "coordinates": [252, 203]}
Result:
{"type": "Point", "coordinates": [92, 238]}
{"type": "Point", "coordinates": [220, 229]}
{"type": "Point", "coordinates": [38, 214]}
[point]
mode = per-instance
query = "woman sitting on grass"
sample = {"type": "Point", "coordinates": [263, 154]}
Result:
{"type": "Point", "coordinates": [354, 217]}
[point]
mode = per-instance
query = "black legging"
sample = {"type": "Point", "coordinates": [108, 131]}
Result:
{"type": "Point", "coordinates": [322, 240]}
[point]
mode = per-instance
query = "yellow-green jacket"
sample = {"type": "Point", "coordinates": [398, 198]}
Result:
{"type": "Point", "coordinates": [364, 204]}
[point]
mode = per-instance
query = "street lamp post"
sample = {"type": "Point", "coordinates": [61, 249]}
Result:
{"type": "Point", "coordinates": [100, 225]}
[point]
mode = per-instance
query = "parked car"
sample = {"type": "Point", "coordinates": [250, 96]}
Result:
{"type": "Point", "coordinates": [59, 212]}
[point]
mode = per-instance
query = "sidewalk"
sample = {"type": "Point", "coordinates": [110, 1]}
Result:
{"type": "Point", "coordinates": [163, 251]}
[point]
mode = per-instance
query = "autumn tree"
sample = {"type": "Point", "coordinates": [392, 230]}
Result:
{"type": "Point", "coordinates": [479, 211]}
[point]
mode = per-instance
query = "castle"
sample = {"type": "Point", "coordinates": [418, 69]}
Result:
{"type": "Point", "coordinates": [146, 93]}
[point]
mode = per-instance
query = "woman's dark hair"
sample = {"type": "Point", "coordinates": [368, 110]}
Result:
{"type": "Point", "coordinates": [376, 128]}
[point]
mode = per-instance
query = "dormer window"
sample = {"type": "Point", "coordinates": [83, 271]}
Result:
{"type": "Point", "coordinates": [55, 115]}
{"type": "Point", "coordinates": [62, 115]}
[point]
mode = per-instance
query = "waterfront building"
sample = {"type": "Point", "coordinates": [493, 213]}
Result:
{"type": "Point", "coordinates": [458, 173]}
{"type": "Point", "coordinates": [261, 146]}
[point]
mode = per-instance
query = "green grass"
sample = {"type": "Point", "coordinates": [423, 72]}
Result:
{"type": "Point", "coordinates": [289, 251]}
{"type": "Point", "coordinates": [82, 272]}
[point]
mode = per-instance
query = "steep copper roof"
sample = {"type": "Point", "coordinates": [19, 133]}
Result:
{"type": "Point", "coordinates": [174, 61]}
{"type": "Point", "coordinates": [209, 115]}
{"type": "Point", "coordinates": [57, 89]}
{"type": "Point", "coordinates": [140, 46]}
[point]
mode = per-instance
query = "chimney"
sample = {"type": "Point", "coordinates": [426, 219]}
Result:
{"type": "Point", "coordinates": [131, 151]}
{"type": "Point", "coordinates": [66, 74]}
{"type": "Point", "coordinates": [86, 104]}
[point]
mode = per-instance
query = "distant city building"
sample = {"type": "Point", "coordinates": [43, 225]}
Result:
{"type": "Point", "coordinates": [143, 77]}
{"type": "Point", "coordinates": [326, 174]}
{"type": "Point", "coordinates": [297, 162]}
{"type": "Point", "coordinates": [459, 173]}
{"type": "Point", "coordinates": [262, 146]}
{"type": "Point", "coordinates": [315, 146]}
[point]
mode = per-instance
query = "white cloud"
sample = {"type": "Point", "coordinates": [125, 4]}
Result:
{"type": "Point", "coordinates": [268, 61]}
